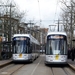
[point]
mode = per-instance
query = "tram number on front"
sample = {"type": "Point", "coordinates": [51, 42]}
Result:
{"type": "Point", "coordinates": [57, 57]}
{"type": "Point", "coordinates": [20, 55]}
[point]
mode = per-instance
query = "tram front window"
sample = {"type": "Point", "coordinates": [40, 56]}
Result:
{"type": "Point", "coordinates": [20, 46]}
{"type": "Point", "coordinates": [56, 46]}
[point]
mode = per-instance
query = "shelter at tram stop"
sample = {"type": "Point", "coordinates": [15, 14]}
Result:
{"type": "Point", "coordinates": [5, 53]}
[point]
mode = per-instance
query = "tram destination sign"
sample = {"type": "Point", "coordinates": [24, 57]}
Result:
{"type": "Point", "coordinates": [20, 38]}
{"type": "Point", "coordinates": [55, 37]}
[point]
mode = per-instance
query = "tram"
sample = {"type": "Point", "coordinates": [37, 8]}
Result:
{"type": "Point", "coordinates": [56, 48]}
{"type": "Point", "coordinates": [25, 47]}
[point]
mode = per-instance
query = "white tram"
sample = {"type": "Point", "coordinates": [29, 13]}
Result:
{"type": "Point", "coordinates": [56, 48]}
{"type": "Point", "coordinates": [25, 47]}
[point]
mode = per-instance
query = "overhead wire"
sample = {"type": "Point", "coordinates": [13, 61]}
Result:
{"type": "Point", "coordinates": [56, 10]}
{"type": "Point", "coordinates": [39, 12]}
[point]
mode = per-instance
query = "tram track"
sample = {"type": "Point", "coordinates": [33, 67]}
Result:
{"type": "Point", "coordinates": [5, 64]}
{"type": "Point", "coordinates": [10, 69]}
{"type": "Point", "coordinates": [69, 71]}
{"type": "Point", "coordinates": [66, 72]}
{"type": "Point", "coordinates": [62, 71]}
{"type": "Point", "coordinates": [6, 67]}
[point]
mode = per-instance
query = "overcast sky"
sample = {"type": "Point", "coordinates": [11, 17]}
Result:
{"type": "Point", "coordinates": [46, 10]}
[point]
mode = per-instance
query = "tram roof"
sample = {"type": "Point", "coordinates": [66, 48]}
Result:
{"type": "Point", "coordinates": [59, 33]}
{"type": "Point", "coordinates": [28, 35]}
{"type": "Point", "coordinates": [15, 35]}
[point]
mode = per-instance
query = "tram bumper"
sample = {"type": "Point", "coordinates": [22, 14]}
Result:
{"type": "Point", "coordinates": [47, 62]}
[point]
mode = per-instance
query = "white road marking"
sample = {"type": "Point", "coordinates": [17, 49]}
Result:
{"type": "Point", "coordinates": [35, 68]}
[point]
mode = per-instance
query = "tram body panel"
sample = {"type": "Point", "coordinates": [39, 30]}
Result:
{"type": "Point", "coordinates": [56, 58]}
{"type": "Point", "coordinates": [22, 56]}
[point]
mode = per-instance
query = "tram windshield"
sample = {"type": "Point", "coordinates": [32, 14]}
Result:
{"type": "Point", "coordinates": [21, 45]}
{"type": "Point", "coordinates": [56, 44]}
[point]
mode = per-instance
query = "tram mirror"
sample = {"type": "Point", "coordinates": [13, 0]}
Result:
{"type": "Point", "coordinates": [28, 42]}
{"type": "Point", "coordinates": [45, 49]}
{"type": "Point", "coordinates": [14, 42]}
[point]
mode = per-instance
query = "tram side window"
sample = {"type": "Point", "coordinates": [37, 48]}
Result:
{"type": "Point", "coordinates": [29, 46]}
{"type": "Point", "coordinates": [30, 49]}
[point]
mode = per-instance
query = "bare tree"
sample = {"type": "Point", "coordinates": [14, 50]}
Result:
{"type": "Point", "coordinates": [69, 16]}
{"type": "Point", "coordinates": [15, 12]}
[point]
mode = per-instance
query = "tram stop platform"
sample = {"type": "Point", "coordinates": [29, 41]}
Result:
{"type": "Point", "coordinates": [5, 62]}
{"type": "Point", "coordinates": [71, 63]}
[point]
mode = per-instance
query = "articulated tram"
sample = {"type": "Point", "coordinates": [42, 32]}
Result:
{"type": "Point", "coordinates": [25, 47]}
{"type": "Point", "coordinates": [56, 48]}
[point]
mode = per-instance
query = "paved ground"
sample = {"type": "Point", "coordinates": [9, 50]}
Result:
{"type": "Point", "coordinates": [71, 63]}
{"type": "Point", "coordinates": [4, 62]}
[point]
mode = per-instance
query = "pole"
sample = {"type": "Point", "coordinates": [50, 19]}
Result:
{"type": "Point", "coordinates": [58, 25]}
{"type": "Point", "coordinates": [10, 34]}
{"type": "Point", "coordinates": [71, 25]}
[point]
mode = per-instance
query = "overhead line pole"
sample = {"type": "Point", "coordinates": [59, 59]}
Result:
{"type": "Point", "coordinates": [58, 24]}
{"type": "Point", "coordinates": [71, 25]}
